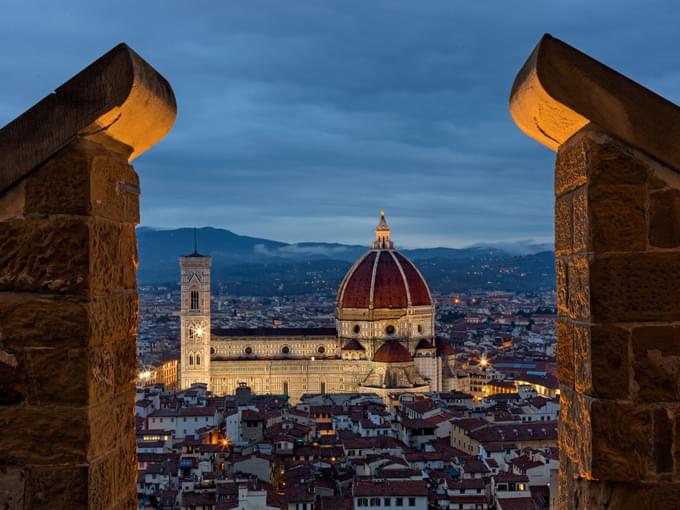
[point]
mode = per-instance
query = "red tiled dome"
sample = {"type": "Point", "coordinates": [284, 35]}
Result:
{"type": "Point", "coordinates": [392, 352]}
{"type": "Point", "coordinates": [386, 276]}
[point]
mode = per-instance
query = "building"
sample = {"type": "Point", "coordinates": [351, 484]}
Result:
{"type": "Point", "coordinates": [164, 373]}
{"type": "Point", "coordinates": [386, 495]}
{"type": "Point", "coordinates": [384, 339]}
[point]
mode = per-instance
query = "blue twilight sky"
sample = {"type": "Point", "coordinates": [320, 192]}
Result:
{"type": "Point", "coordinates": [299, 120]}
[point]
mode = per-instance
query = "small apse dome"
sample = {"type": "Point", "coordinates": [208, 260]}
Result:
{"type": "Point", "coordinates": [392, 352]}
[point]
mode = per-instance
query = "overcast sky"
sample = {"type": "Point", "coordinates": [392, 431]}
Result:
{"type": "Point", "coordinates": [299, 120]}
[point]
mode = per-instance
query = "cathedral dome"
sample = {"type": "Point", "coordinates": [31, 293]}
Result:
{"type": "Point", "coordinates": [383, 278]}
{"type": "Point", "coordinates": [392, 352]}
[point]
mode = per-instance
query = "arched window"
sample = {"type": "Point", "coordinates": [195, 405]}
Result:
{"type": "Point", "coordinates": [191, 359]}
{"type": "Point", "coordinates": [194, 300]}
{"type": "Point", "coordinates": [198, 359]}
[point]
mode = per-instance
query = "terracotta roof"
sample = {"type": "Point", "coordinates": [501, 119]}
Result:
{"type": "Point", "coordinates": [445, 347]}
{"type": "Point", "coordinates": [467, 483]}
{"type": "Point", "coordinates": [388, 278]}
{"type": "Point", "coordinates": [421, 405]}
{"type": "Point", "coordinates": [424, 344]}
{"type": "Point", "coordinates": [468, 499]}
{"type": "Point", "coordinates": [400, 488]}
{"type": "Point", "coordinates": [392, 352]}
{"type": "Point", "coordinates": [353, 345]}
{"type": "Point", "coordinates": [510, 477]}
{"type": "Point", "coordinates": [517, 504]}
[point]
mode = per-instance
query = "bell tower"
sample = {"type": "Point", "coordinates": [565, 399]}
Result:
{"type": "Point", "coordinates": [195, 318]}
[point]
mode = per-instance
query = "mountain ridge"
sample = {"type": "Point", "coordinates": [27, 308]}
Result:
{"type": "Point", "coordinates": [258, 266]}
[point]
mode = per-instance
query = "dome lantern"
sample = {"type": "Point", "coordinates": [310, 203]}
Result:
{"type": "Point", "coordinates": [382, 234]}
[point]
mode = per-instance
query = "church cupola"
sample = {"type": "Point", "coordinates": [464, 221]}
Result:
{"type": "Point", "coordinates": [382, 234]}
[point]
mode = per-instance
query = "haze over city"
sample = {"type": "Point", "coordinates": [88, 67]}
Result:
{"type": "Point", "coordinates": [298, 121]}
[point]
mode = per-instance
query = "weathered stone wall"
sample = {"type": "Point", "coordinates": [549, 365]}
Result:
{"type": "Point", "coordinates": [617, 243]}
{"type": "Point", "coordinates": [69, 203]}
{"type": "Point", "coordinates": [618, 265]}
{"type": "Point", "coordinates": [68, 319]}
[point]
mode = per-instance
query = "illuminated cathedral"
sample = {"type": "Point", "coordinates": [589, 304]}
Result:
{"type": "Point", "coordinates": [384, 340]}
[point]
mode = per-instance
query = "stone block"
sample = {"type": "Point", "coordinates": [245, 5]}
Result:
{"type": "Point", "coordinates": [617, 218]}
{"type": "Point", "coordinates": [85, 178]}
{"type": "Point", "coordinates": [570, 166]}
{"type": "Point", "coordinates": [663, 442]}
{"type": "Point", "coordinates": [565, 352]}
{"type": "Point", "coordinates": [567, 489]}
{"type": "Point", "coordinates": [12, 486]}
{"type": "Point", "coordinates": [574, 426]}
{"type": "Point", "coordinates": [48, 255]}
{"type": "Point", "coordinates": [75, 376]}
{"type": "Point", "coordinates": [635, 287]}
{"type": "Point", "coordinates": [606, 495]}
{"type": "Point", "coordinates": [125, 470]}
{"type": "Point", "coordinates": [583, 359]}
{"type": "Point", "coordinates": [67, 255]}
{"type": "Point", "coordinates": [563, 225]}
{"type": "Point", "coordinates": [44, 435]}
{"type": "Point", "coordinates": [562, 285]}
{"type": "Point", "coordinates": [113, 257]}
{"type": "Point", "coordinates": [610, 362]}
{"type": "Point", "coordinates": [112, 424]}
{"type": "Point", "coordinates": [124, 363]}
{"type": "Point", "coordinates": [101, 481]}
{"type": "Point", "coordinates": [605, 439]}
{"type": "Point", "coordinates": [676, 445]}
{"type": "Point", "coordinates": [590, 156]}
{"type": "Point", "coordinates": [664, 219]}
{"type": "Point", "coordinates": [127, 501]}
{"type": "Point", "coordinates": [13, 388]}
{"type": "Point", "coordinates": [51, 434]}
{"type": "Point", "coordinates": [58, 487]}
{"type": "Point", "coordinates": [611, 162]}
{"type": "Point", "coordinates": [621, 439]}
{"type": "Point", "coordinates": [578, 287]}
{"type": "Point", "coordinates": [30, 320]}
{"type": "Point", "coordinates": [656, 366]}
{"type": "Point", "coordinates": [580, 221]}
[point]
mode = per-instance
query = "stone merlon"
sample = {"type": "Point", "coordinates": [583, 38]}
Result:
{"type": "Point", "coordinates": [119, 100]}
{"type": "Point", "coordinates": [559, 90]}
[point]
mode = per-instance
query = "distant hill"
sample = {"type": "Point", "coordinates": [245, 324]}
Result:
{"type": "Point", "coordinates": [253, 266]}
